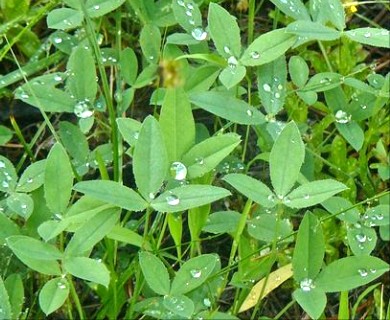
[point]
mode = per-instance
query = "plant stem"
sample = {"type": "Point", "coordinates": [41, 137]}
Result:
{"type": "Point", "coordinates": [75, 298]}
{"type": "Point", "coordinates": [322, 48]}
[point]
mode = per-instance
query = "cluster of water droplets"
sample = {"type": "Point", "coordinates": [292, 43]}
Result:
{"type": "Point", "coordinates": [198, 33]}
{"type": "Point", "coordinates": [83, 109]}
{"type": "Point", "coordinates": [6, 179]}
{"type": "Point", "coordinates": [342, 117]}
{"type": "Point", "coordinates": [275, 89]}
{"type": "Point", "coordinates": [307, 284]}
{"type": "Point", "coordinates": [363, 272]}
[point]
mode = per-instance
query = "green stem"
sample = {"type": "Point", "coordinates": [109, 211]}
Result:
{"type": "Point", "coordinates": [322, 48]}
{"type": "Point", "coordinates": [251, 20]}
{"type": "Point", "coordinates": [75, 297]}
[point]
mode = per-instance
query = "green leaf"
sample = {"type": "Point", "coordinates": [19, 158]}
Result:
{"type": "Point", "coordinates": [267, 227]}
{"type": "Point", "coordinates": [53, 295]}
{"type": "Point", "coordinates": [314, 192]}
{"type": "Point", "coordinates": [155, 273]}
{"type": "Point", "coordinates": [271, 82]}
{"type": "Point", "coordinates": [187, 14]}
{"type": "Point", "coordinates": [267, 47]}
{"type": "Point", "coordinates": [58, 179]}
{"type": "Point", "coordinates": [150, 161]}
{"type": "Point", "coordinates": [222, 222]}
{"type": "Point", "coordinates": [333, 11]}
{"type": "Point", "coordinates": [5, 135]}
{"type": "Point", "coordinates": [180, 305]}
{"type": "Point", "coordinates": [150, 40]}
{"type": "Point", "coordinates": [8, 176]}
{"type": "Point", "coordinates": [201, 78]}
{"type": "Point", "coordinates": [5, 306]}
{"type": "Point", "coordinates": [351, 272]}
{"type": "Point", "coordinates": [286, 159]}
{"type": "Point", "coordinates": [309, 30]}
{"type": "Point", "coordinates": [129, 65]}
{"type": "Point", "coordinates": [371, 36]}
{"type": "Point", "coordinates": [32, 177]}
{"type": "Point", "coordinates": [309, 249]}
{"type": "Point", "coordinates": [193, 273]}
{"type": "Point", "coordinates": [337, 204]}
{"type": "Point", "coordinates": [251, 188]}
{"type": "Point", "coordinates": [82, 74]}
{"type": "Point", "coordinates": [177, 123]}
{"type": "Point", "coordinates": [206, 155]}
{"type": "Point", "coordinates": [299, 70]}
{"type": "Point", "coordinates": [187, 197]}
{"type": "Point", "coordinates": [312, 301]}
{"type": "Point", "coordinates": [14, 286]}
{"type": "Point", "coordinates": [7, 228]}
{"type": "Point", "coordinates": [224, 31]}
{"type": "Point", "coordinates": [127, 236]}
{"type": "Point", "coordinates": [88, 269]}
{"type": "Point", "coordinates": [228, 107]}
{"type": "Point", "coordinates": [98, 8]}
{"type": "Point", "coordinates": [352, 132]}
{"type": "Point", "coordinates": [362, 241]}
{"type": "Point", "coordinates": [89, 234]}
{"type": "Point", "coordinates": [74, 141]}
{"type": "Point", "coordinates": [112, 192]}
{"type": "Point", "coordinates": [293, 8]}
{"type": "Point", "coordinates": [129, 129]}
{"type": "Point", "coordinates": [64, 18]}
{"type": "Point", "coordinates": [232, 75]}
{"type": "Point", "coordinates": [323, 81]}
{"type": "Point", "coordinates": [21, 204]}
{"type": "Point", "coordinates": [33, 248]}
{"type": "Point", "coordinates": [377, 216]}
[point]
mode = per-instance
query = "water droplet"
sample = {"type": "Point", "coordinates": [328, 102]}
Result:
{"type": "Point", "coordinates": [363, 272]}
{"type": "Point", "coordinates": [255, 55]}
{"type": "Point", "coordinates": [57, 216]}
{"type": "Point", "coordinates": [363, 106]}
{"type": "Point", "coordinates": [190, 6]}
{"type": "Point", "coordinates": [96, 7]}
{"type": "Point", "coordinates": [189, 13]}
{"type": "Point", "coordinates": [232, 62]}
{"type": "Point", "coordinates": [367, 34]}
{"type": "Point", "coordinates": [361, 237]}
{"type": "Point", "coordinates": [306, 197]}
{"type": "Point", "coordinates": [61, 285]}
{"type": "Point", "coordinates": [191, 22]}
{"type": "Point", "coordinates": [342, 117]}
{"type": "Point", "coordinates": [2, 164]}
{"type": "Point", "coordinates": [249, 113]}
{"type": "Point", "coordinates": [83, 109]}
{"type": "Point", "coordinates": [226, 49]}
{"type": "Point", "coordinates": [280, 87]}
{"type": "Point", "coordinates": [196, 273]}
{"type": "Point", "coordinates": [151, 196]}
{"type": "Point", "coordinates": [57, 40]}
{"type": "Point", "coordinates": [277, 95]}
{"type": "Point", "coordinates": [379, 216]}
{"type": "Point", "coordinates": [30, 180]}
{"type": "Point", "coordinates": [271, 197]}
{"type": "Point", "coordinates": [207, 302]}
{"type": "Point", "coordinates": [199, 160]}
{"type": "Point", "coordinates": [266, 87]}
{"type": "Point", "coordinates": [172, 200]}
{"type": "Point", "coordinates": [5, 184]}
{"type": "Point", "coordinates": [57, 78]}
{"type": "Point", "coordinates": [199, 34]}
{"type": "Point", "coordinates": [178, 170]}
{"type": "Point", "coordinates": [307, 284]}
{"type": "Point", "coordinates": [180, 3]}
{"type": "Point", "coordinates": [373, 270]}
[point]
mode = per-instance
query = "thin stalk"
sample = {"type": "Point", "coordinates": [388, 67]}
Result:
{"type": "Point", "coordinates": [75, 297]}
{"type": "Point", "coordinates": [251, 20]}
{"type": "Point", "coordinates": [19, 134]}
{"type": "Point", "coordinates": [325, 55]}
{"type": "Point", "coordinates": [282, 312]}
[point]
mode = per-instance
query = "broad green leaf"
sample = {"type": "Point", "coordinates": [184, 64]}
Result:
{"type": "Point", "coordinates": [46, 98]}
{"type": "Point", "coordinates": [74, 141]}
{"type": "Point", "coordinates": [193, 273]}
{"type": "Point", "coordinates": [8, 176]}
{"type": "Point", "coordinates": [309, 249]}
{"type": "Point", "coordinates": [187, 197]}
{"type": "Point", "coordinates": [155, 273]}
{"type": "Point", "coordinates": [92, 232]}
{"type": "Point", "coordinates": [180, 305]}
{"type": "Point", "coordinates": [150, 40]}
{"type": "Point", "coordinates": [222, 222]}
{"type": "Point", "coordinates": [251, 188]}
{"type": "Point", "coordinates": [14, 286]}
{"type": "Point", "coordinates": [293, 8]}
{"type": "Point", "coordinates": [286, 159]}
{"type": "Point", "coordinates": [352, 132]}
{"type": "Point", "coordinates": [299, 70]}
{"type": "Point", "coordinates": [312, 193]}
{"type": "Point", "coordinates": [129, 129]}
{"type": "Point", "coordinates": [271, 82]}
{"type": "Point", "coordinates": [53, 295]}
{"type": "Point", "coordinates": [58, 180]}
{"type": "Point", "coordinates": [185, 38]}
{"type": "Point", "coordinates": [5, 306]}
{"type": "Point", "coordinates": [323, 81]}
{"type": "Point", "coordinates": [21, 204]}
{"type": "Point", "coordinates": [127, 236]}
{"type": "Point", "coordinates": [309, 30]}
{"type": "Point", "coordinates": [201, 78]}
{"type": "Point", "coordinates": [64, 18]}
{"type": "Point", "coordinates": [377, 216]}
{"type": "Point", "coordinates": [206, 155]}
{"type": "Point", "coordinates": [82, 75]}
{"type": "Point", "coordinates": [154, 306]}
{"type": "Point", "coordinates": [371, 36]}
{"type": "Point", "coordinates": [88, 269]}
{"type": "Point", "coordinates": [266, 285]}
{"type": "Point", "coordinates": [338, 204]}
{"type": "Point", "coordinates": [349, 273]}
{"type": "Point", "coordinates": [113, 193]}
{"type": "Point", "coordinates": [267, 47]}
{"type": "Point", "coordinates": [177, 123]}
{"type": "Point", "coordinates": [32, 177]}
{"type": "Point", "coordinates": [364, 106]}
{"type": "Point", "coordinates": [309, 97]}
{"type": "Point", "coordinates": [333, 11]}
{"type": "Point", "coordinates": [312, 301]}
{"type": "Point", "coordinates": [268, 227]}
{"type": "Point", "coordinates": [362, 241]}
{"type": "Point", "coordinates": [150, 161]}
{"type": "Point", "coordinates": [232, 75]}
{"type": "Point", "coordinates": [129, 65]}
{"type": "Point", "coordinates": [5, 135]}
{"type": "Point", "coordinates": [33, 248]}
{"type": "Point", "coordinates": [337, 102]}
{"type": "Point", "coordinates": [7, 228]}
{"type": "Point", "coordinates": [228, 107]}
{"type": "Point", "coordinates": [98, 8]}
{"type": "Point", "coordinates": [224, 31]}
{"type": "Point", "coordinates": [187, 14]}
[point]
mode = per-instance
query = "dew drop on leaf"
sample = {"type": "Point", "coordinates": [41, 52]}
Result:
{"type": "Point", "coordinates": [83, 109]}
{"type": "Point", "coordinates": [307, 284]}
{"type": "Point", "coordinates": [2, 164]}
{"type": "Point", "coordinates": [178, 170]}
{"type": "Point", "coordinates": [363, 272]}
{"type": "Point", "coordinates": [342, 117]}
{"type": "Point", "coordinates": [172, 200]}
{"type": "Point", "coordinates": [199, 34]}
{"type": "Point", "coordinates": [255, 55]}
{"type": "Point", "coordinates": [360, 237]}
{"type": "Point", "coordinates": [196, 273]}
{"type": "Point", "coordinates": [266, 87]}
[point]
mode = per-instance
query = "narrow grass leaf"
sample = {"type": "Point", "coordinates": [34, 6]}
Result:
{"type": "Point", "coordinates": [228, 107]}
{"type": "Point", "coordinates": [309, 249]}
{"type": "Point", "coordinates": [349, 273]}
{"type": "Point", "coordinates": [88, 269]}
{"type": "Point", "coordinates": [155, 273]}
{"type": "Point", "coordinates": [58, 179]}
{"type": "Point", "coordinates": [193, 273]}
{"type": "Point", "coordinates": [265, 286]}
{"type": "Point", "coordinates": [313, 302]}
{"type": "Point", "coordinates": [14, 286]}
{"type": "Point", "coordinates": [376, 37]}
{"type": "Point", "coordinates": [112, 192]}
{"type": "Point", "coordinates": [314, 192]}
{"type": "Point", "coordinates": [286, 159]}
{"type": "Point", "coordinates": [150, 163]}
{"type": "Point", "coordinates": [309, 30]}
{"type": "Point", "coordinates": [187, 197]}
{"type": "Point", "coordinates": [5, 306]}
{"type": "Point", "coordinates": [53, 295]}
